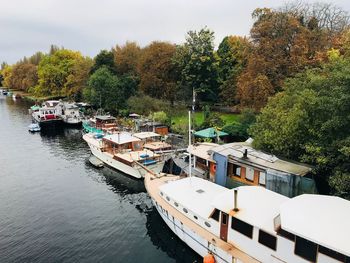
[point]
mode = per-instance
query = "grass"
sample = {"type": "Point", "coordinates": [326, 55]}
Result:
{"type": "Point", "coordinates": [182, 118]}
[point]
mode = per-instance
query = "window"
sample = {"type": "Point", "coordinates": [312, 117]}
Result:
{"type": "Point", "coordinates": [306, 249]}
{"type": "Point", "coordinates": [267, 240]}
{"type": "Point", "coordinates": [262, 178]}
{"type": "Point", "coordinates": [242, 227]}
{"type": "Point", "coordinates": [195, 217]}
{"type": "Point", "coordinates": [185, 210]}
{"type": "Point", "coordinates": [249, 174]}
{"type": "Point", "coordinates": [168, 198]}
{"type": "Point", "coordinates": [215, 215]}
{"type": "Point", "coordinates": [286, 234]}
{"type": "Point", "coordinates": [236, 170]}
{"type": "Point", "coordinates": [207, 224]}
{"type": "Point", "coordinates": [331, 253]}
{"type": "Point", "coordinates": [224, 218]}
{"type": "Point", "coordinates": [176, 204]}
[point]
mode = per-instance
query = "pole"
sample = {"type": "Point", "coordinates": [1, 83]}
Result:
{"type": "Point", "coordinates": [189, 143]}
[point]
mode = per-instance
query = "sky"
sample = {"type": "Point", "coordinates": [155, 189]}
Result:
{"type": "Point", "coordinates": [27, 26]}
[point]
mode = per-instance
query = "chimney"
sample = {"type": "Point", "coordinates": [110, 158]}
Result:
{"type": "Point", "coordinates": [235, 206]}
{"type": "Point", "coordinates": [245, 154]}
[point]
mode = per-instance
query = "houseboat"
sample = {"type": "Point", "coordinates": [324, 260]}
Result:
{"type": "Point", "coordinates": [124, 152]}
{"type": "Point", "coordinates": [152, 141]}
{"type": "Point", "coordinates": [251, 223]}
{"type": "Point", "coordinates": [100, 124]}
{"type": "Point", "coordinates": [69, 112]}
{"type": "Point", "coordinates": [47, 115]}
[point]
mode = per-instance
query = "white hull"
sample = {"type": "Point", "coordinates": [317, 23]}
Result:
{"type": "Point", "coordinates": [134, 171]}
{"type": "Point", "coordinates": [193, 240]}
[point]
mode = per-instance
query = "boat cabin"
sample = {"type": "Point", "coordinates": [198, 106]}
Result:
{"type": "Point", "coordinates": [105, 122]}
{"type": "Point", "coordinates": [266, 225]}
{"type": "Point", "coordinates": [152, 141]}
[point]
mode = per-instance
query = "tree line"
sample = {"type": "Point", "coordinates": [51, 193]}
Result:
{"type": "Point", "coordinates": [292, 70]}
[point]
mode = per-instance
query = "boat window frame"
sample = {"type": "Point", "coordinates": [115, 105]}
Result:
{"type": "Point", "coordinates": [214, 213]}
{"type": "Point", "coordinates": [264, 239]}
{"type": "Point", "coordinates": [302, 248]}
{"type": "Point", "coordinates": [242, 227]}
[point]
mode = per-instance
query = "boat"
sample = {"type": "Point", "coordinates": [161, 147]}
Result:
{"type": "Point", "coordinates": [4, 92]}
{"type": "Point", "coordinates": [124, 152]}
{"type": "Point", "coordinates": [69, 112]}
{"type": "Point", "coordinates": [95, 161]}
{"type": "Point", "coordinates": [252, 223]}
{"type": "Point", "coordinates": [152, 141]}
{"type": "Point", "coordinates": [33, 108]}
{"type": "Point", "coordinates": [47, 115]}
{"type": "Point", "coordinates": [100, 124]}
{"type": "Point", "coordinates": [34, 127]}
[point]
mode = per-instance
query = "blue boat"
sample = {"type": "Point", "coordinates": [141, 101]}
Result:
{"type": "Point", "coordinates": [34, 127]}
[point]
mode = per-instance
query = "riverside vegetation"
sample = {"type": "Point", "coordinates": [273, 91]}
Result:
{"type": "Point", "coordinates": [289, 78]}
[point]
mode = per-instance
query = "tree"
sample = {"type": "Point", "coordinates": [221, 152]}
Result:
{"type": "Point", "coordinates": [78, 78]}
{"type": "Point", "coordinates": [104, 58]}
{"type": "Point", "coordinates": [126, 58]}
{"type": "Point", "coordinates": [157, 71]}
{"type": "Point", "coordinates": [232, 52]}
{"type": "Point", "coordinates": [6, 73]}
{"type": "Point", "coordinates": [24, 76]}
{"type": "Point", "coordinates": [197, 64]}
{"type": "Point", "coordinates": [53, 71]}
{"type": "Point", "coordinates": [310, 121]}
{"type": "Point", "coordinates": [143, 104]}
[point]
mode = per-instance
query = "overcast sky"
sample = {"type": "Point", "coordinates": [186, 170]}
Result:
{"type": "Point", "coordinates": [27, 26]}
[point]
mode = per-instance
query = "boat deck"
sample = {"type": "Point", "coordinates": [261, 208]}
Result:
{"type": "Point", "coordinates": [153, 183]}
{"type": "Point", "coordinates": [157, 146]}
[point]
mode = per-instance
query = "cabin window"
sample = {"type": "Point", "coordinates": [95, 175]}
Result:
{"type": "Point", "coordinates": [267, 240]}
{"type": "Point", "coordinates": [249, 175]}
{"type": "Point", "coordinates": [195, 217]}
{"type": "Point", "coordinates": [286, 234]}
{"type": "Point", "coordinates": [236, 170]}
{"type": "Point", "coordinates": [305, 249]}
{"type": "Point", "coordinates": [242, 227]}
{"type": "Point", "coordinates": [185, 210]}
{"type": "Point", "coordinates": [168, 198]}
{"type": "Point", "coordinates": [207, 224]}
{"type": "Point", "coordinates": [331, 253]}
{"type": "Point", "coordinates": [161, 193]}
{"type": "Point", "coordinates": [176, 204]}
{"type": "Point", "coordinates": [224, 219]}
{"type": "Point", "coordinates": [215, 215]}
{"type": "Point", "coordinates": [262, 178]}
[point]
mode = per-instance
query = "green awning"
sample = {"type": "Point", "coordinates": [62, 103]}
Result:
{"type": "Point", "coordinates": [210, 133]}
{"type": "Point", "coordinates": [35, 107]}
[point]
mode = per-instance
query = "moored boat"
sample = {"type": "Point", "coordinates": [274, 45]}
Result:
{"type": "Point", "coordinates": [251, 223]}
{"type": "Point", "coordinates": [47, 115]}
{"type": "Point", "coordinates": [69, 112]}
{"type": "Point", "coordinates": [124, 152]}
{"type": "Point", "coordinates": [100, 124]}
{"type": "Point", "coordinates": [34, 127]}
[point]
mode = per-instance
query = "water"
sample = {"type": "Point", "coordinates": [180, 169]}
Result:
{"type": "Point", "coordinates": [55, 207]}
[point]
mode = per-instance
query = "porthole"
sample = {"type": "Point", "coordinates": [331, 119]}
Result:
{"type": "Point", "coordinates": [176, 204]}
{"type": "Point", "coordinates": [185, 210]}
{"type": "Point", "coordinates": [161, 193]}
{"type": "Point", "coordinates": [195, 217]}
{"type": "Point", "coordinates": [207, 224]}
{"type": "Point", "coordinates": [168, 198]}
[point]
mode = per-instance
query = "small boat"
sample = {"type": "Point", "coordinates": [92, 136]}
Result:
{"type": "Point", "coordinates": [4, 92]}
{"type": "Point", "coordinates": [47, 115]}
{"type": "Point", "coordinates": [34, 127]}
{"type": "Point", "coordinates": [69, 112]}
{"type": "Point", "coordinates": [96, 162]}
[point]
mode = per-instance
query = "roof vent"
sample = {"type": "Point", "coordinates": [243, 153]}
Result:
{"type": "Point", "coordinates": [245, 154]}
{"type": "Point", "coordinates": [200, 191]}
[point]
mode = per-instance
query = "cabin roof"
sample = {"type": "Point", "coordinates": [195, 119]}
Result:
{"type": "Point", "coordinates": [210, 133]}
{"type": "Point", "coordinates": [105, 117]}
{"type": "Point", "coordinates": [322, 219]}
{"type": "Point", "coordinates": [185, 192]}
{"type": "Point", "coordinates": [235, 152]}
{"type": "Point", "coordinates": [257, 205]}
{"type": "Point", "coordinates": [202, 150]}
{"type": "Point", "coordinates": [121, 138]}
{"type": "Point", "coordinates": [145, 135]}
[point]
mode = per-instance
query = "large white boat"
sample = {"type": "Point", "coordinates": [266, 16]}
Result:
{"type": "Point", "coordinates": [251, 223]}
{"type": "Point", "coordinates": [125, 153]}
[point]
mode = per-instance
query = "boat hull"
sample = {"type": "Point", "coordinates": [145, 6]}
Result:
{"type": "Point", "coordinates": [134, 171]}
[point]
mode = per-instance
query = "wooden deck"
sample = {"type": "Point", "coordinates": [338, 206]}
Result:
{"type": "Point", "coordinates": [152, 183]}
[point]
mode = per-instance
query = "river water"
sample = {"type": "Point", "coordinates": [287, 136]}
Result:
{"type": "Point", "coordinates": [55, 207]}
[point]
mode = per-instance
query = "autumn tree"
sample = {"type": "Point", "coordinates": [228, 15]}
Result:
{"type": "Point", "coordinates": [24, 76]}
{"type": "Point", "coordinates": [157, 71]}
{"type": "Point", "coordinates": [197, 65]}
{"type": "Point", "coordinates": [126, 58]}
{"type": "Point", "coordinates": [53, 71]}
{"type": "Point", "coordinates": [232, 52]}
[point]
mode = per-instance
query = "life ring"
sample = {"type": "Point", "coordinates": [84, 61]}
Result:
{"type": "Point", "coordinates": [209, 258]}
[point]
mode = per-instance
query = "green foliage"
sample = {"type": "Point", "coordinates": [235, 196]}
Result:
{"type": "Point", "coordinates": [310, 120]}
{"type": "Point", "coordinates": [214, 120]}
{"type": "Point", "coordinates": [104, 58]}
{"type": "Point", "coordinates": [160, 116]}
{"type": "Point", "coordinates": [105, 90]}
{"type": "Point", "coordinates": [239, 129]}
{"type": "Point", "coordinates": [143, 104]}
{"type": "Point", "coordinates": [197, 64]}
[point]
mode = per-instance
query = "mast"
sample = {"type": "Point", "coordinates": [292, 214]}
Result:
{"type": "Point", "coordinates": [189, 144]}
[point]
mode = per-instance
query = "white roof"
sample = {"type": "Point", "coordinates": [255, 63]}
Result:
{"type": "Point", "coordinates": [202, 150]}
{"type": "Point", "coordinates": [324, 220]}
{"type": "Point", "coordinates": [257, 205]}
{"type": "Point", "coordinates": [185, 192]}
{"type": "Point", "coordinates": [121, 137]}
{"type": "Point", "coordinates": [145, 135]}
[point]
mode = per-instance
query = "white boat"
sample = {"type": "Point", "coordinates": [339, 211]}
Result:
{"type": "Point", "coordinates": [47, 115]}
{"type": "Point", "coordinates": [69, 112]}
{"type": "Point", "coordinates": [251, 223]}
{"type": "Point", "coordinates": [34, 127]}
{"type": "Point", "coordinates": [124, 152]}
